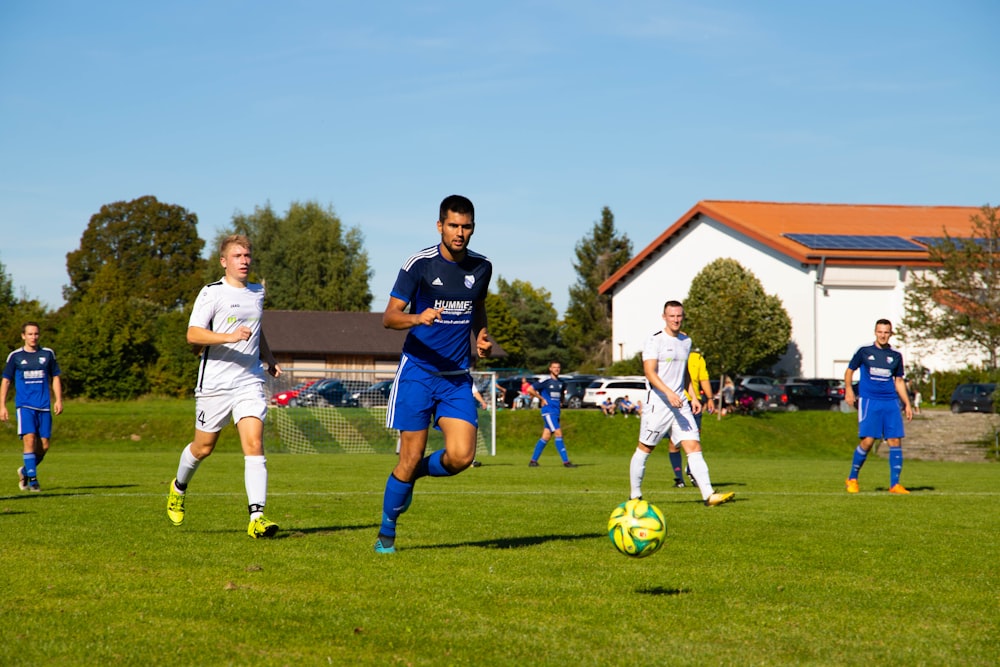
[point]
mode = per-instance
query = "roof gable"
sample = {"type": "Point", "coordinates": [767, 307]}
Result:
{"type": "Point", "coordinates": [770, 222]}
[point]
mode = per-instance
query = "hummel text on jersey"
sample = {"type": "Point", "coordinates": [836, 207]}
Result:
{"type": "Point", "coordinates": [453, 307]}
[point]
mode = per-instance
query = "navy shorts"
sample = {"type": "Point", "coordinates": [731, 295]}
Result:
{"type": "Point", "coordinates": [417, 397]}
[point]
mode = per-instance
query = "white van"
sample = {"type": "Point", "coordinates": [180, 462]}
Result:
{"type": "Point", "coordinates": [633, 386]}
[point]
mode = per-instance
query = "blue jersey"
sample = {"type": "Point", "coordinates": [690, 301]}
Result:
{"type": "Point", "coordinates": [879, 369]}
{"type": "Point", "coordinates": [428, 280]}
{"type": "Point", "coordinates": [31, 373]}
{"type": "Point", "coordinates": [551, 389]}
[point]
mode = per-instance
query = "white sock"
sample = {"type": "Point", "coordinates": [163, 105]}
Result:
{"type": "Point", "coordinates": [187, 467]}
{"type": "Point", "coordinates": [699, 470]}
{"type": "Point", "coordinates": [636, 471]}
{"type": "Point", "coordinates": [255, 478]}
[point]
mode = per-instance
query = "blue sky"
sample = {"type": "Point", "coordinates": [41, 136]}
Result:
{"type": "Point", "coordinates": [541, 112]}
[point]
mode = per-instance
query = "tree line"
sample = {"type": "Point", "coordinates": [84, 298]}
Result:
{"type": "Point", "coordinates": [121, 331]}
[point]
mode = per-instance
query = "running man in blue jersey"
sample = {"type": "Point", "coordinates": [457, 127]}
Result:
{"type": "Point", "coordinates": [440, 297]}
{"type": "Point", "coordinates": [35, 374]}
{"type": "Point", "coordinates": [881, 388]}
{"type": "Point", "coordinates": [549, 393]}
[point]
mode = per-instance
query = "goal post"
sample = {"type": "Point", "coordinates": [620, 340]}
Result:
{"type": "Point", "coordinates": [342, 411]}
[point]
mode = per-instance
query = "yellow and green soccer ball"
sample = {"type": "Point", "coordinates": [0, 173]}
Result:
{"type": "Point", "coordinates": [637, 528]}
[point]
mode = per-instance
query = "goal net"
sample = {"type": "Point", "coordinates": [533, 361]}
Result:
{"type": "Point", "coordinates": [343, 411]}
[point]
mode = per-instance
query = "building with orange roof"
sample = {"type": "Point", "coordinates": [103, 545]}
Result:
{"type": "Point", "coordinates": [836, 267]}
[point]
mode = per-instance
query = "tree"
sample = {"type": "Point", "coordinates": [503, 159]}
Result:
{"type": "Point", "coordinates": [155, 244]}
{"type": "Point", "coordinates": [506, 331]}
{"type": "Point", "coordinates": [306, 259]}
{"type": "Point", "coordinates": [587, 330]}
{"type": "Point", "coordinates": [959, 298]}
{"type": "Point", "coordinates": [532, 308]}
{"type": "Point", "coordinates": [739, 328]}
{"type": "Point", "coordinates": [15, 312]}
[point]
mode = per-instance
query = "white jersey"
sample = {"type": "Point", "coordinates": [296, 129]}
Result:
{"type": "Point", "coordinates": [671, 354]}
{"type": "Point", "coordinates": [222, 308]}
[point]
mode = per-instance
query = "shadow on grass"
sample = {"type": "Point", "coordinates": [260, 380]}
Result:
{"type": "Point", "coordinates": [512, 542]}
{"type": "Point", "coordinates": [911, 489]}
{"type": "Point", "coordinates": [660, 590]}
{"type": "Point", "coordinates": [323, 530]}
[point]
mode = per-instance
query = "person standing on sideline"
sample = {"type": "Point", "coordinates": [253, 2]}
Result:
{"type": "Point", "coordinates": [37, 396]}
{"type": "Point", "coordinates": [440, 297]}
{"type": "Point", "coordinates": [549, 393]}
{"type": "Point", "coordinates": [698, 372]}
{"type": "Point", "coordinates": [881, 388]}
{"type": "Point", "coordinates": [668, 412]}
{"type": "Point", "coordinates": [226, 324]}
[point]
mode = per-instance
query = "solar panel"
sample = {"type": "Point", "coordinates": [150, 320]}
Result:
{"type": "Point", "coordinates": [930, 241]}
{"type": "Point", "coordinates": [854, 242]}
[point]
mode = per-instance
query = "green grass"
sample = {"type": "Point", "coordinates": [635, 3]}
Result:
{"type": "Point", "coordinates": [500, 565]}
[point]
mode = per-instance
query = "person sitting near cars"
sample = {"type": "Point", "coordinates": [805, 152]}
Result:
{"type": "Point", "coordinates": [626, 406]}
{"type": "Point", "coordinates": [638, 408]}
{"type": "Point", "coordinates": [608, 408]}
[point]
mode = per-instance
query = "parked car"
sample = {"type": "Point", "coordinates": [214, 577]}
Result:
{"type": "Point", "coordinates": [973, 397]}
{"type": "Point", "coordinates": [575, 389]}
{"type": "Point", "coordinates": [810, 396]}
{"type": "Point", "coordinates": [633, 386]}
{"type": "Point", "coordinates": [375, 394]}
{"type": "Point", "coordinates": [511, 387]}
{"type": "Point", "coordinates": [282, 398]}
{"type": "Point", "coordinates": [833, 386]}
{"type": "Point", "coordinates": [761, 383]}
{"type": "Point", "coordinates": [751, 400]}
{"type": "Point", "coordinates": [329, 392]}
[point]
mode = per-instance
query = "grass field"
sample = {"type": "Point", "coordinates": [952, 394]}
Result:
{"type": "Point", "coordinates": [501, 565]}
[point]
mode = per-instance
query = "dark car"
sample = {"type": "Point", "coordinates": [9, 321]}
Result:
{"type": "Point", "coordinates": [833, 386]}
{"type": "Point", "coordinates": [575, 388]}
{"type": "Point", "coordinates": [751, 400]}
{"type": "Point", "coordinates": [284, 398]}
{"type": "Point", "coordinates": [510, 387]}
{"type": "Point", "coordinates": [803, 396]}
{"type": "Point", "coordinates": [329, 392]}
{"type": "Point", "coordinates": [376, 394]}
{"type": "Point", "coordinates": [973, 397]}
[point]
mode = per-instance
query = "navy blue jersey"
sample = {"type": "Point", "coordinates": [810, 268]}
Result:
{"type": "Point", "coordinates": [428, 280]}
{"type": "Point", "coordinates": [551, 390]}
{"type": "Point", "coordinates": [31, 373]}
{"type": "Point", "coordinates": [879, 369]}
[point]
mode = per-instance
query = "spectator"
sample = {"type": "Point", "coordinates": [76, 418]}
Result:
{"type": "Point", "coordinates": [608, 408]}
{"type": "Point", "coordinates": [728, 392]}
{"type": "Point", "coordinates": [626, 407]}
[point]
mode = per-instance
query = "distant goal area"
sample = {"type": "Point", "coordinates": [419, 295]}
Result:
{"type": "Point", "coordinates": [342, 411]}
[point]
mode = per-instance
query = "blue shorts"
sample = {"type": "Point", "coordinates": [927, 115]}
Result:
{"type": "Point", "coordinates": [418, 397]}
{"type": "Point", "coordinates": [30, 420]}
{"type": "Point", "coordinates": [879, 418]}
{"type": "Point", "coordinates": [551, 420]}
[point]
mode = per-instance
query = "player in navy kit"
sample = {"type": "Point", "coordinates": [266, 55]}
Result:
{"type": "Point", "coordinates": [880, 390]}
{"type": "Point", "coordinates": [35, 375]}
{"type": "Point", "coordinates": [440, 297]}
{"type": "Point", "coordinates": [549, 394]}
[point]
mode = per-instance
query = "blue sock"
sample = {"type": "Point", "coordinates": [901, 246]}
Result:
{"type": "Point", "coordinates": [860, 456]}
{"type": "Point", "coordinates": [561, 448]}
{"type": "Point", "coordinates": [395, 501]}
{"type": "Point", "coordinates": [539, 446]}
{"type": "Point", "coordinates": [433, 465]}
{"type": "Point", "coordinates": [30, 466]}
{"type": "Point", "coordinates": [895, 465]}
{"type": "Point", "coordinates": [676, 462]}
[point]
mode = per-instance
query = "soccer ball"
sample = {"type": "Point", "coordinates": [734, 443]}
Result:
{"type": "Point", "coordinates": [637, 528]}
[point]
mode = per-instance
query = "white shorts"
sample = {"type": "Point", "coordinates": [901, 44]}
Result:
{"type": "Point", "coordinates": [212, 412]}
{"type": "Point", "coordinates": [659, 420]}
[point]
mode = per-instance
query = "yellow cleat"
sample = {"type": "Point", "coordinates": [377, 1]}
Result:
{"type": "Point", "coordinates": [852, 486]}
{"type": "Point", "coordinates": [261, 527]}
{"type": "Point", "coordinates": [899, 490]}
{"type": "Point", "coordinates": [719, 498]}
{"type": "Point", "coordinates": [175, 505]}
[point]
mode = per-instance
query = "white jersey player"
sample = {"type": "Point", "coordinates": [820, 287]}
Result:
{"type": "Point", "coordinates": [668, 411]}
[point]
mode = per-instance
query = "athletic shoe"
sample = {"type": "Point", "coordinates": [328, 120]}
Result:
{"type": "Point", "coordinates": [22, 481]}
{"type": "Point", "coordinates": [899, 490]}
{"type": "Point", "coordinates": [175, 505]}
{"type": "Point", "coordinates": [569, 464]}
{"type": "Point", "coordinates": [852, 486]}
{"type": "Point", "coordinates": [719, 498]}
{"type": "Point", "coordinates": [532, 464]}
{"type": "Point", "coordinates": [694, 482]}
{"type": "Point", "coordinates": [34, 487]}
{"type": "Point", "coordinates": [679, 484]}
{"type": "Point", "coordinates": [385, 545]}
{"type": "Point", "coordinates": [476, 464]}
{"type": "Point", "coordinates": [261, 527]}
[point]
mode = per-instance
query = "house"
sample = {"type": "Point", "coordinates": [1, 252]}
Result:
{"type": "Point", "coordinates": [313, 342]}
{"type": "Point", "coordinates": [836, 267]}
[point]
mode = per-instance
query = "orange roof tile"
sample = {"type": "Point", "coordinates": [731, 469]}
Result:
{"type": "Point", "coordinates": [766, 222]}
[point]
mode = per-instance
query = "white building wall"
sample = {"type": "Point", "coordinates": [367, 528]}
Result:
{"type": "Point", "coordinates": [829, 321]}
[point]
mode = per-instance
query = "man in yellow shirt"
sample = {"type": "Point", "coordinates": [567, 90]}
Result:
{"type": "Point", "coordinates": [698, 371]}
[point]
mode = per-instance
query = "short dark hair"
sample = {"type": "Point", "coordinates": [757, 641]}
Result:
{"type": "Point", "coordinates": [29, 323]}
{"type": "Point", "coordinates": [883, 321]}
{"type": "Point", "coordinates": [457, 204]}
{"type": "Point", "coordinates": [672, 304]}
